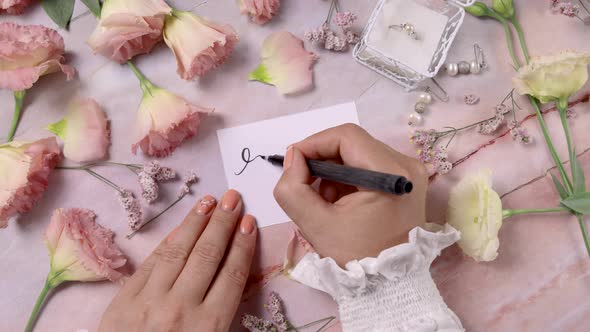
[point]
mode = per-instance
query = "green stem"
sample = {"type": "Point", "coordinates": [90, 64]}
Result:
{"type": "Point", "coordinates": [145, 84]}
{"type": "Point", "coordinates": [327, 320]}
{"type": "Point", "coordinates": [583, 5]}
{"type": "Point", "coordinates": [584, 233]}
{"type": "Point", "coordinates": [19, 96]}
{"type": "Point", "coordinates": [509, 213]}
{"type": "Point", "coordinates": [521, 39]}
{"type": "Point", "coordinates": [130, 235]}
{"type": "Point", "coordinates": [35, 312]}
{"type": "Point", "coordinates": [558, 163]}
{"type": "Point", "coordinates": [504, 23]}
{"type": "Point", "coordinates": [562, 106]}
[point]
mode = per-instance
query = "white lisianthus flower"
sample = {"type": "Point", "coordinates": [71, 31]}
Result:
{"type": "Point", "coordinates": [553, 78]}
{"type": "Point", "coordinates": [475, 209]}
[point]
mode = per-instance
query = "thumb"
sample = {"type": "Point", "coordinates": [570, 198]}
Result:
{"type": "Point", "coordinates": [294, 192]}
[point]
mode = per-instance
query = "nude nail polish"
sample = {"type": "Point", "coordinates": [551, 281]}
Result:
{"type": "Point", "coordinates": [205, 205]}
{"type": "Point", "coordinates": [247, 225]}
{"type": "Point", "coordinates": [230, 200]}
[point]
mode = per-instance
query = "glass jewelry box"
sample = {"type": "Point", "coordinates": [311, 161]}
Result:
{"type": "Point", "coordinates": [408, 40]}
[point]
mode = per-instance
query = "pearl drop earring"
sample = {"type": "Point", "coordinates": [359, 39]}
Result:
{"type": "Point", "coordinates": [471, 67]}
{"type": "Point", "coordinates": [424, 99]}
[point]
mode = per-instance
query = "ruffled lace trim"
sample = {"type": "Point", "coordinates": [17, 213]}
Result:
{"type": "Point", "coordinates": [360, 277]}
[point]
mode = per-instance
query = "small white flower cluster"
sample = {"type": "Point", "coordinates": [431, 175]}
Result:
{"type": "Point", "coordinates": [149, 177]}
{"type": "Point", "coordinates": [185, 188]}
{"type": "Point", "coordinates": [329, 39]}
{"type": "Point", "coordinates": [519, 133]}
{"type": "Point", "coordinates": [277, 323]}
{"type": "Point", "coordinates": [132, 207]}
{"type": "Point", "coordinates": [490, 126]}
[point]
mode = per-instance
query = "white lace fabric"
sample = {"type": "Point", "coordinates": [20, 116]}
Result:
{"type": "Point", "coordinates": [392, 292]}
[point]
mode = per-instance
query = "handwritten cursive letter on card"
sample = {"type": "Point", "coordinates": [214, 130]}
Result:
{"type": "Point", "coordinates": [241, 148]}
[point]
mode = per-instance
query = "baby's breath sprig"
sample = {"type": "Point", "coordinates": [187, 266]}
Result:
{"type": "Point", "coordinates": [436, 155]}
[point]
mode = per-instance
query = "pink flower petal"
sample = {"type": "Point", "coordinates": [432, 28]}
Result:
{"type": "Point", "coordinates": [260, 11]}
{"type": "Point", "coordinates": [285, 63]}
{"type": "Point", "coordinates": [24, 173]}
{"type": "Point", "coordinates": [164, 121]}
{"type": "Point", "coordinates": [84, 131]}
{"type": "Point", "coordinates": [29, 52]}
{"type": "Point", "coordinates": [14, 7]}
{"type": "Point", "coordinates": [199, 45]}
{"type": "Point", "coordinates": [81, 249]}
{"type": "Point", "coordinates": [128, 28]}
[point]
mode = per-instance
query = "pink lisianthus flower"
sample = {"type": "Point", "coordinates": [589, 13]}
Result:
{"type": "Point", "coordinates": [24, 173]}
{"type": "Point", "coordinates": [198, 44]}
{"type": "Point", "coordinates": [260, 11]}
{"type": "Point", "coordinates": [285, 63]}
{"type": "Point", "coordinates": [81, 249]}
{"type": "Point", "coordinates": [84, 131]}
{"type": "Point", "coordinates": [128, 28]}
{"type": "Point", "coordinates": [28, 52]}
{"type": "Point", "coordinates": [14, 7]}
{"type": "Point", "coordinates": [164, 121]}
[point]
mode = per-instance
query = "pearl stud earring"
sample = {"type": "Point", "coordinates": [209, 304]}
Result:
{"type": "Point", "coordinates": [471, 67]}
{"type": "Point", "coordinates": [425, 98]}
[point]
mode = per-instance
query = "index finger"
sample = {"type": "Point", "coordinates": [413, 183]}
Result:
{"type": "Point", "coordinates": [354, 146]}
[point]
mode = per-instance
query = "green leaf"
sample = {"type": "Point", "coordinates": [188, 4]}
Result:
{"type": "Point", "coordinates": [94, 6]}
{"type": "Point", "coordinates": [260, 74]}
{"type": "Point", "coordinates": [60, 11]}
{"type": "Point", "coordinates": [579, 177]}
{"type": "Point", "coordinates": [560, 189]}
{"type": "Point", "coordinates": [579, 203]}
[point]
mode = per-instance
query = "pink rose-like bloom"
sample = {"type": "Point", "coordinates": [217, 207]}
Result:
{"type": "Point", "coordinates": [81, 249]}
{"type": "Point", "coordinates": [128, 28]}
{"type": "Point", "coordinates": [84, 131]}
{"type": "Point", "coordinates": [28, 52]}
{"type": "Point", "coordinates": [164, 121]}
{"type": "Point", "coordinates": [198, 44]}
{"type": "Point", "coordinates": [24, 170]}
{"type": "Point", "coordinates": [285, 63]}
{"type": "Point", "coordinates": [260, 11]}
{"type": "Point", "coordinates": [14, 7]}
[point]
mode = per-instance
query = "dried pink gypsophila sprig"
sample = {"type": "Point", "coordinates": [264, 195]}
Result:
{"type": "Point", "coordinates": [335, 43]}
{"type": "Point", "coordinates": [132, 207]}
{"type": "Point", "coordinates": [352, 37]}
{"type": "Point", "coordinates": [519, 133]}
{"type": "Point", "coordinates": [344, 19]}
{"type": "Point", "coordinates": [317, 35]}
{"type": "Point", "coordinates": [149, 187]}
{"type": "Point", "coordinates": [184, 190]}
{"type": "Point", "coordinates": [255, 324]}
{"type": "Point", "coordinates": [165, 174]}
{"type": "Point", "coordinates": [275, 308]}
{"type": "Point", "coordinates": [149, 176]}
{"type": "Point", "coordinates": [440, 160]}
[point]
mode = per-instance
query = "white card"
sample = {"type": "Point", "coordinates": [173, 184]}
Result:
{"type": "Point", "coordinates": [269, 137]}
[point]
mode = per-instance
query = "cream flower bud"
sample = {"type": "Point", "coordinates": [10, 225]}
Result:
{"type": "Point", "coordinates": [504, 7]}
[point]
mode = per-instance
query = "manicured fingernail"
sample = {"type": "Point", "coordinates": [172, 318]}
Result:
{"type": "Point", "coordinates": [205, 205]}
{"type": "Point", "coordinates": [230, 200]}
{"type": "Point", "coordinates": [288, 158]}
{"type": "Point", "coordinates": [247, 224]}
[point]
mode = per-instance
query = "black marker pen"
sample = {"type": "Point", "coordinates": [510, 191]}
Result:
{"type": "Point", "coordinates": [384, 182]}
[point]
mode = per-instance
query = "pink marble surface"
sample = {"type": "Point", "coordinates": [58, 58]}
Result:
{"type": "Point", "coordinates": [540, 281]}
